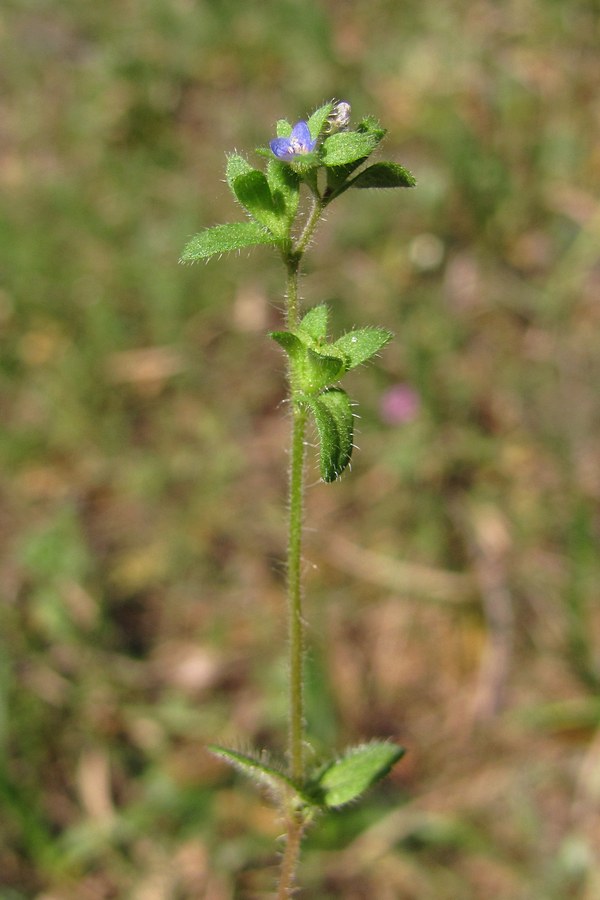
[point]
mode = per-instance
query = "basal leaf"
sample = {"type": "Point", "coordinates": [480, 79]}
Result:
{"type": "Point", "coordinates": [345, 779]}
{"type": "Point", "coordinates": [384, 175]}
{"type": "Point", "coordinates": [358, 346]}
{"type": "Point", "coordinates": [314, 323]}
{"type": "Point", "coordinates": [347, 147]}
{"type": "Point", "coordinates": [332, 411]}
{"type": "Point", "coordinates": [224, 238]}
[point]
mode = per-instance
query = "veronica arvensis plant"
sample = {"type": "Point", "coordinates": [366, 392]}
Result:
{"type": "Point", "coordinates": [322, 158]}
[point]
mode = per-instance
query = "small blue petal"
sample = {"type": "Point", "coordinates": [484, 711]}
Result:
{"type": "Point", "coordinates": [298, 144]}
{"type": "Point", "coordinates": [281, 148]}
{"type": "Point", "coordinates": [301, 133]}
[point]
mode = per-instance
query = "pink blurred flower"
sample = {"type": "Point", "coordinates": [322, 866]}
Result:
{"type": "Point", "coordinates": [399, 404]}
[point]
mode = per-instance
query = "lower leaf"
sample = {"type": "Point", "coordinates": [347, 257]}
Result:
{"type": "Point", "coordinates": [345, 779]}
{"type": "Point", "coordinates": [332, 410]}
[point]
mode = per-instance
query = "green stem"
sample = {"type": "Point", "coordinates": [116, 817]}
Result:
{"type": "Point", "coordinates": [309, 226]}
{"type": "Point", "coordinates": [295, 619]}
{"type": "Point", "coordinates": [295, 818]}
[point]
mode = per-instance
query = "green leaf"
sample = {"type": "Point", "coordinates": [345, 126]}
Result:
{"type": "Point", "coordinates": [345, 779]}
{"type": "Point", "coordinates": [335, 424]}
{"type": "Point", "coordinates": [260, 769]}
{"type": "Point", "coordinates": [223, 238]}
{"type": "Point", "coordinates": [293, 346]}
{"type": "Point", "coordinates": [283, 128]}
{"type": "Point", "coordinates": [318, 119]}
{"type": "Point", "coordinates": [284, 183]}
{"type": "Point", "coordinates": [236, 166]}
{"type": "Point", "coordinates": [314, 323]}
{"type": "Point", "coordinates": [320, 370]}
{"type": "Point", "coordinates": [360, 345]}
{"type": "Point", "coordinates": [253, 191]}
{"type": "Point", "coordinates": [312, 369]}
{"type": "Point", "coordinates": [370, 125]}
{"type": "Point", "coordinates": [347, 147]}
{"type": "Point", "coordinates": [384, 175]}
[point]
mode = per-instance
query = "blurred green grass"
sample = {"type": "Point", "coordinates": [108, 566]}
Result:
{"type": "Point", "coordinates": [142, 469]}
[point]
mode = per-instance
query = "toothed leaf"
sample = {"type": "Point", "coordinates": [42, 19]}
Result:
{"type": "Point", "coordinates": [345, 779]}
{"type": "Point", "coordinates": [236, 166]}
{"type": "Point", "coordinates": [332, 411]}
{"type": "Point", "coordinates": [284, 183]}
{"type": "Point", "coordinates": [358, 346]}
{"type": "Point", "coordinates": [314, 323]}
{"type": "Point", "coordinates": [384, 175]}
{"type": "Point", "coordinates": [253, 191]}
{"type": "Point", "coordinates": [224, 238]}
{"type": "Point", "coordinates": [347, 147]}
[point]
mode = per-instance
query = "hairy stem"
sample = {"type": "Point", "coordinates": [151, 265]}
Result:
{"type": "Point", "coordinates": [289, 862]}
{"type": "Point", "coordinates": [295, 819]}
{"type": "Point", "coordinates": [295, 619]}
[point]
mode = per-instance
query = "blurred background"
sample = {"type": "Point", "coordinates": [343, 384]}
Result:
{"type": "Point", "coordinates": [452, 578]}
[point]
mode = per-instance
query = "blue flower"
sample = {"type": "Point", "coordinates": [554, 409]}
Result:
{"type": "Point", "coordinates": [298, 144]}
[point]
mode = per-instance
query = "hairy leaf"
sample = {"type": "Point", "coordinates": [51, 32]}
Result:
{"type": "Point", "coordinates": [358, 346]}
{"type": "Point", "coordinates": [236, 166]}
{"type": "Point", "coordinates": [332, 411]}
{"type": "Point", "coordinates": [317, 120]}
{"type": "Point", "coordinates": [313, 370]}
{"type": "Point", "coordinates": [284, 183]}
{"type": "Point", "coordinates": [253, 191]}
{"type": "Point", "coordinates": [314, 323]}
{"type": "Point", "coordinates": [345, 779]}
{"type": "Point", "coordinates": [347, 147]}
{"type": "Point", "coordinates": [384, 175]}
{"type": "Point", "coordinates": [223, 238]}
{"type": "Point", "coordinates": [283, 128]}
{"type": "Point", "coordinates": [259, 768]}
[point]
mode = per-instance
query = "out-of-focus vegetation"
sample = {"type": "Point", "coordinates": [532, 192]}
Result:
{"type": "Point", "coordinates": [141, 521]}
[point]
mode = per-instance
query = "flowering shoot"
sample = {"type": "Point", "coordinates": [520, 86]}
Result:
{"type": "Point", "coordinates": [298, 144]}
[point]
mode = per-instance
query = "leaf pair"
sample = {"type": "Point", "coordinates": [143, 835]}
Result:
{"type": "Point", "coordinates": [331, 785]}
{"type": "Point", "coordinates": [271, 199]}
{"type": "Point", "coordinates": [316, 365]}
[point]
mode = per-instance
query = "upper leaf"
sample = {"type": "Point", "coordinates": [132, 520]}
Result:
{"type": "Point", "coordinates": [223, 238]}
{"type": "Point", "coordinates": [317, 120]}
{"type": "Point", "coordinates": [335, 424]}
{"type": "Point", "coordinates": [314, 323]}
{"type": "Point", "coordinates": [236, 166]}
{"type": "Point", "coordinates": [284, 183]}
{"type": "Point", "coordinates": [343, 780]}
{"type": "Point", "coordinates": [347, 147]}
{"type": "Point", "coordinates": [253, 191]}
{"type": "Point", "coordinates": [283, 128]}
{"type": "Point", "coordinates": [360, 345]}
{"type": "Point", "coordinates": [384, 175]}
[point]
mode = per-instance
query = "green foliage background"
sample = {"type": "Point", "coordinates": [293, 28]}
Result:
{"type": "Point", "coordinates": [452, 578]}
